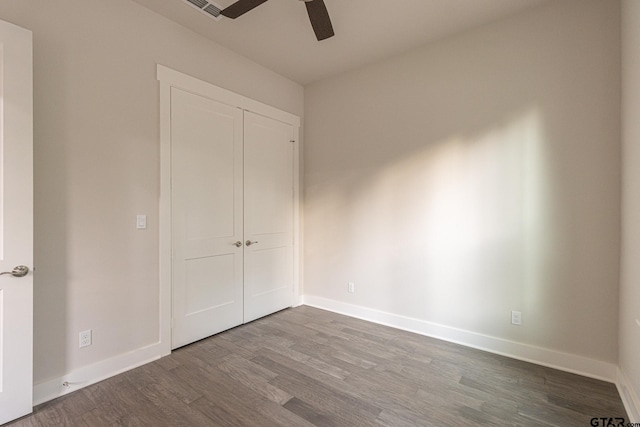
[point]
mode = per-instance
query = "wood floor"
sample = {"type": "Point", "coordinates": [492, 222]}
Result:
{"type": "Point", "coordinates": [304, 366]}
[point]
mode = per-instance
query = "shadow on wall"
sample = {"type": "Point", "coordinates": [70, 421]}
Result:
{"type": "Point", "coordinates": [51, 201]}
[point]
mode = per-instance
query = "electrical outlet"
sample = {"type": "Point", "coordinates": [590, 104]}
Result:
{"type": "Point", "coordinates": [516, 318]}
{"type": "Point", "coordinates": [85, 338]}
{"type": "Point", "coordinates": [638, 322]}
{"type": "Point", "coordinates": [352, 287]}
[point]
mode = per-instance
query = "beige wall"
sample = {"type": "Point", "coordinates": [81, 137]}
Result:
{"type": "Point", "coordinates": [630, 280]}
{"type": "Point", "coordinates": [97, 165]}
{"type": "Point", "coordinates": [475, 176]}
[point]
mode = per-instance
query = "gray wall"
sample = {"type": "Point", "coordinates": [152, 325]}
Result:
{"type": "Point", "coordinates": [475, 176]}
{"type": "Point", "coordinates": [97, 166]}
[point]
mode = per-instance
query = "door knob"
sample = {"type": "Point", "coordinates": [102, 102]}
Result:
{"type": "Point", "coordinates": [249, 242]}
{"type": "Point", "coordinates": [237, 244]}
{"type": "Point", "coordinates": [18, 271]}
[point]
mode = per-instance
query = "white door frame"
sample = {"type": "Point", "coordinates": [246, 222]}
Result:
{"type": "Point", "coordinates": [169, 78]}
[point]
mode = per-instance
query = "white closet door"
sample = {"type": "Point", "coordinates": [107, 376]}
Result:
{"type": "Point", "coordinates": [268, 216]}
{"type": "Point", "coordinates": [206, 168]}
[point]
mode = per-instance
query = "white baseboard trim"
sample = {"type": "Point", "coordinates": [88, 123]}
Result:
{"type": "Point", "coordinates": [102, 370]}
{"type": "Point", "coordinates": [629, 397]}
{"type": "Point", "coordinates": [97, 372]}
{"type": "Point", "coordinates": [541, 356]}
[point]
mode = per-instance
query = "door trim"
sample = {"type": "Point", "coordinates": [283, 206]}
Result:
{"type": "Point", "coordinates": [168, 79]}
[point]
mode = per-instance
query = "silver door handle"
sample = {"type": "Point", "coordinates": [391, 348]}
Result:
{"type": "Point", "coordinates": [249, 242]}
{"type": "Point", "coordinates": [18, 271]}
{"type": "Point", "coordinates": [238, 244]}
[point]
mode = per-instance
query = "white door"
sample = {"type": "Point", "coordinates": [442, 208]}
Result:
{"type": "Point", "coordinates": [16, 222]}
{"type": "Point", "coordinates": [268, 216]}
{"type": "Point", "coordinates": [206, 168]}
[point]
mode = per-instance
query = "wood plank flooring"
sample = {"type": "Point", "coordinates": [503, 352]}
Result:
{"type": "Point", "coordinates": [309, 367]}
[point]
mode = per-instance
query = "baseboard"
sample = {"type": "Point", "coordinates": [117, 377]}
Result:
{"type": "Point", "coordinates": [97, 372]}
{"type": "Point", "coordinates": [541, 356]}
{"type": "Point", "coordinates": [102, 370]}
{"type": "Point", "coordinates": [629, 397]}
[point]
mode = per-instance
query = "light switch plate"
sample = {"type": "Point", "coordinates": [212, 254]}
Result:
{"type": "Point", "coordinates": [141, 222]}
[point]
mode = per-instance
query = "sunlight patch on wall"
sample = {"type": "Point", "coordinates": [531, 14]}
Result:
{"type": "Point", "coordinates": [481, 218]}
{"type": "Point", "coordinates": [455, 231]}
{"type": "Point", "coordinates": [455, 222]}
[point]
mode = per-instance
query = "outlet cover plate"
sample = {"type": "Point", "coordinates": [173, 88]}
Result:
{"type": "Point", "coordinates": [516, 318]}
{"type": "Point", "coordinates": [85, 338]}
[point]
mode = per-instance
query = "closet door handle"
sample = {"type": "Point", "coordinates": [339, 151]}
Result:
{"type": "Point", "coordinates": [238, 244]}
{"type": "Point", "coordinates": [249, 242]}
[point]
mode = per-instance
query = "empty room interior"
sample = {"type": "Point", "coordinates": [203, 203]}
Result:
{"type": "Point", "coordinates": [422, 212]}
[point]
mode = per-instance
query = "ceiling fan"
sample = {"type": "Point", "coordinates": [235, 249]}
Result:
{"type": "Point", "coordinates": [318, 14]}
{"type": "Point", "coordinates": [316, 9]}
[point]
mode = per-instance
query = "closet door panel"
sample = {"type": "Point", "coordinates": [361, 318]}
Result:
{"type": "Point", "coordinates": [268, 216]}
{"type": "Point", "coordinates": [207, 181]}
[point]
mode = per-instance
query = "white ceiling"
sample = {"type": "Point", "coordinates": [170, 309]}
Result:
{"type": "Point", "coordinates": [278, 35]}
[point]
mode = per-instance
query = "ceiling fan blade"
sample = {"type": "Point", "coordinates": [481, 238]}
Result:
{"type": "Point", "coordinates": [320, 20]}
{"type": "Point", "coordinates": [240, 8]}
